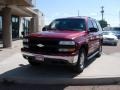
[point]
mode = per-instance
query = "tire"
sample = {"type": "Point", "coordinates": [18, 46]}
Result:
{"type": "Point", "coordinates": [33, 63]}
{"type": "Point", "coordinates": [99, 51]}
{"type": "Point", "coordinates": [115, 44]}
{"type": "Point", "coordinates": [79, 67]}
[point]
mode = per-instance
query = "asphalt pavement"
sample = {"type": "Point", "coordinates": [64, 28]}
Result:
{"type": "Point", "coordinates": [111, 49]}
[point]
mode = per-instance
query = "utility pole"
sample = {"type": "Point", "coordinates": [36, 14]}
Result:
{"type": "Point", "coordinates": [78, 12]}
{"type": "Point", "coordinates": [102, 12]}
{"type": "Point", "coordinates": [119, 18]}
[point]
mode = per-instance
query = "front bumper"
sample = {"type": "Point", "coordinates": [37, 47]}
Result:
{"type": "Point", "coordinates": [109, 41]}
{"type": "Point", "coordinates": [68, 59]}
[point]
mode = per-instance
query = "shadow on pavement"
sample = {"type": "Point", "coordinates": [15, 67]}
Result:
{"type": "Point", "coordinates": [33, 87]}
{"type": "Point", "coordinates": [90, 61]}
{"type": "Point", "coordinates": [43, 71]}
{"type": "Point", "coordinates": [29, 72]}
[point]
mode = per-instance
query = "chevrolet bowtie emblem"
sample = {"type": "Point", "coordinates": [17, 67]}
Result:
{"type": "Point", "coordinates": [40, 45]}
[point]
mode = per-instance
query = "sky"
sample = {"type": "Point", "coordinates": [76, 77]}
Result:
{"type": "Point", "coordinates": [53, 9]}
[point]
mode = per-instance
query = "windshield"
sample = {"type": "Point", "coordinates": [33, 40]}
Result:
{"type": "Point", "coordinates": [108, 33]}
{"type": "Point", "coordinates": [105, 33]}
{"type": "Point", "coordinates": [68, 24]}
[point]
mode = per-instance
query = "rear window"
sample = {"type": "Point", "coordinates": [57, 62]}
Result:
{"type": "Point", "coordinates": [68, 24]}
{"type": "Point", "coordinates": [108, 33]}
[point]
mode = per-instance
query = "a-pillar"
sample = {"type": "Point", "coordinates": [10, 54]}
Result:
{"type": "Point", "coordinates": [7, 28]}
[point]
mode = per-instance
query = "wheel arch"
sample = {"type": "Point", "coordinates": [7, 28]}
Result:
{"type": "Point", "coordinates": [85, 46]}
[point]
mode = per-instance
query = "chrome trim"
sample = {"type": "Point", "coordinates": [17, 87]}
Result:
{"type": "Point", "coordinates": [70, 59]}
{"type": "Point", "coordinates": [93, 55]}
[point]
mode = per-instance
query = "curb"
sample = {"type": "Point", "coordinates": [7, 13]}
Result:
{"type": "Point", "coordinates": [64, 81]}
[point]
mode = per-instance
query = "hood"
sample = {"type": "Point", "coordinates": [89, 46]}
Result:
{"type": "Point", "coordinates": [59, 34]}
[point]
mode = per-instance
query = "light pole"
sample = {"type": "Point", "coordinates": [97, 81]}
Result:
{"type": "Point", "coordinates": [119, 18]}
{"type": "Point", "coordinates": [102, 12]}
{"type": "Point", "coordinates": [78, 12]}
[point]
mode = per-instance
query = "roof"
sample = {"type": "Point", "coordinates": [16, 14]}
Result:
{"type": "Point", "coordinates": [75, 17]}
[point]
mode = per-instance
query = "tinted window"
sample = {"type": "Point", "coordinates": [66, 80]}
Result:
{"type": "Point", "coordinates": [68, 24]}
{"type": "Point", "coordinates": [26, 27]}
{"type": "Point", "coordinates": [15, 26]}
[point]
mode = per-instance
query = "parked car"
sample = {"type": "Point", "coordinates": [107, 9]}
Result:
{"type": "Point", "coordinates": [70, 41]}
{"type": "Point", "coordinates": [116, 31]}
{"type": "Point", "coordinates": [109, 38]}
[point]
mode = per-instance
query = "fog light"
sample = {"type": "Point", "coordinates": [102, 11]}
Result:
{"type": "Point", "coordinates": [66, 50]}
{"type": "Point", "coordinates": [66, 43]}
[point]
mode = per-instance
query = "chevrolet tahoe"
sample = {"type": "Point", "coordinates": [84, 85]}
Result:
{"type": "Point", "coordinates": [69, 41]}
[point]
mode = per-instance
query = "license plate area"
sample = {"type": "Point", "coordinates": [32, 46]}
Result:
{"type": "Point", "coordinates": [39, 57]}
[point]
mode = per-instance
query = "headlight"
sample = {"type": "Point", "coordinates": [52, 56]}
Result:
{"type": "Point", "coordinates": [66, 43]}
{"type": "Point", "coordinates": [25, 40]}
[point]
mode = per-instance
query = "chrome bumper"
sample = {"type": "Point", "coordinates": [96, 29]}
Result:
{"type": "Point", "coordinates": [69, 59]}
{"type": "Point", "coordinates": [110, 41]}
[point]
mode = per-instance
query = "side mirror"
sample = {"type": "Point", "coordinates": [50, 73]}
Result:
{"type": "Point", "coordinates": [45, 28]}
{"type": "Point", "coordinates": [93, 29]}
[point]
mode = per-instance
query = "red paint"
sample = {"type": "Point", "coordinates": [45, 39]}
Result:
{"type": "Point", "coordinates": [59, 34]}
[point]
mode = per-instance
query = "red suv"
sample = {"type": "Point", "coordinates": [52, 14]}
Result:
{"type": "Point", "coordinates": [72, 41]}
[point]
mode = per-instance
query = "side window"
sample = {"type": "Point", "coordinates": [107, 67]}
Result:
{"type": "Point", "coordinates": [99, 27]}
{"type": "Point", "coordinates": [90, 25]}
{"type": "Point", "coordinates": [94, 24]}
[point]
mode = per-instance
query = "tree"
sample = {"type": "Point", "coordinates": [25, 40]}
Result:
{"type": "Point", "coordinates": [103, 23]}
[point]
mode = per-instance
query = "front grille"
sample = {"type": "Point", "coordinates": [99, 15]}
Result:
{"type": "Point", "coordinates": [44, 45]}
{"type": "Point", "coordinates": [109, 38]}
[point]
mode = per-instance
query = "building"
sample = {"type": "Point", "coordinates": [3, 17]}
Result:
{"type": "Point", "coordinates": [18, 16]}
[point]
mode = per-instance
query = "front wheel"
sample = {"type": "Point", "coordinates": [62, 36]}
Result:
{"type": "Point", "coordinates": [79, 67]}
{"type": "Point", "coordinates": [115, 44]}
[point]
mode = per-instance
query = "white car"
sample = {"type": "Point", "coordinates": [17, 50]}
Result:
{"type": "Point", "coordinates": [109, 38]}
